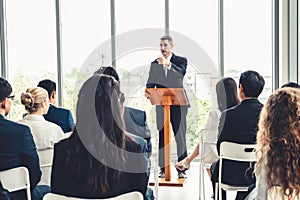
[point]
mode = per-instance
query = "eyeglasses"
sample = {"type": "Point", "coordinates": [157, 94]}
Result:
{"type": "Point", "coordinates": [11, 97]}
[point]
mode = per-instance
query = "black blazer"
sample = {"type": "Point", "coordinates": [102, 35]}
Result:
{"type": "Point", "coordinates": [60, 116]}
{"type": "Point", "coordinates": [136, 123]}
{"type": "Point", "coordinates": [17, 148]}
{"type": "Point", "coordinates": [240, 125]}
{"type": "Point", "coordinates": [64, 181]}
{"type": "Point", "coordinates": [174, 77]}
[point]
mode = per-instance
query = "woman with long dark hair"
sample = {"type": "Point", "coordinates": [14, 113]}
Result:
{"type": "Point", "coordinates": [227, 97]}
{"type": "Point", "coordinates": [99, 160]}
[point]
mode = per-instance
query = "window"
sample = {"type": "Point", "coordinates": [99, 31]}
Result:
{"type": "Point", "coordinates": [142, 26]}
{"type": "Point", "coordinates": [31, 46]}
{"type": "Point", "coordinates": [133, 57]}
{"type": "Point", "coordinates": [137, 14]}
{"type": "Point", "coordinates": [247, 40]}
{"type": "Point", "coordinates": [194, 27]}
{"type": "Point", "coordinates": [85, 26]}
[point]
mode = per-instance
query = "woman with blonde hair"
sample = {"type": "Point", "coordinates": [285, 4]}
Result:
{"type": "Point", "coordinates": [277, 170]}
{"type": "Point", "coordinates": [45, 133]}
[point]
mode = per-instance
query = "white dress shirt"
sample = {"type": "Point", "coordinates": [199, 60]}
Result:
{"type": "Point", "coordinates": [168, 67]}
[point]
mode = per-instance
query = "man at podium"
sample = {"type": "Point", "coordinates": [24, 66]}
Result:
{"type": "Point", "coordinates": [167, 71]}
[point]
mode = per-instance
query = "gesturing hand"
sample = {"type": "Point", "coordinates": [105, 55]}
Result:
{"type": "Point", "coordinates": [163, 61]}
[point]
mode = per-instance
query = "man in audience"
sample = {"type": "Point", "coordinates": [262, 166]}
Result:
{"type": "Point", "coordinates": [136, 123]}
{"type": "Point", "coordinates": [291, 84]}
{"type": "Point", "coordinates": [239, 124]}
{"type": "Point", "coordinates": [17, 148]}
{"type": "Point", "coordinates": [60, 116]}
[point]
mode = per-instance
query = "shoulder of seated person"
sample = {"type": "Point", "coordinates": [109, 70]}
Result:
{"type": "Point", "coordinates": [60, 109]}
{"type": "Point", "coordinates": [132, 145]}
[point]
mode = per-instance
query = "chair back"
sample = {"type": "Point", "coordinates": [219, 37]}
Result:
{"type": "Point", "coordinates": [208, 147]}
{"type": "Point", "coordinates": [234, 152]}
{"type": "Point", "coordinates": [126, 196]}
{"type": "Point", "coordinates": [209, 136]}
{"type": "Point", "coordinates": [16, 179]}
{"type": "Point", "coordinates": [237, 152]}
{"type": "Point", "coordinates": [46, 158]}
{"type": "Point", "coordinates": [208, 154]}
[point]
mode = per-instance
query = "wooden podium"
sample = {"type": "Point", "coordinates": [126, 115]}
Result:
{"type": "Point", "coordinates": [167, 97]}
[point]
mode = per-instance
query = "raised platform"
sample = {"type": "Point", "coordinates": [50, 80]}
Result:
{"type": "Point", "coordinates": [174, 182]}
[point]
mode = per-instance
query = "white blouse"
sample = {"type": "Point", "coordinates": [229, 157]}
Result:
{"type": "Point", "coordinates": [209, 135]}
{"type": "Point", "coordinates": [45, 135]}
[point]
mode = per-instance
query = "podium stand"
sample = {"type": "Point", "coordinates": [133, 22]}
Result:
{"type": "Point", "coordinates": [167, 97]}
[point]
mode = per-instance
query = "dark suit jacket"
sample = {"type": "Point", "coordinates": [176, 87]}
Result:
{"type": "Point", "coordinates": [136, 123]}
{"type": "Point", "coordinates": [174, 77]}
{"type": "Point", "coordinates": [60, 116]}
{"type": "Point", "coordinates": [17, 148]}
{"type": "Point", "coordinates": [63, 179]}
{"type": "Point", "coordinates": [240, 125]}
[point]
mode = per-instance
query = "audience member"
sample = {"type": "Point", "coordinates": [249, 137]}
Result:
{"type": "Point", "coordinates": [291, 84]}
{"type": "Point", "coordinates": [60, 116]}
{"type": "Point", "coordinates": [226, 90]}
{"type": "Point", "coordinates": [135, 120]}
{"type": "Point", "coordinates": [45, 133]}
{"type": "Point", "coordinates": [17, 148]}
{"type": "Point", "coordinates": [239, 124]}
{"type": "Point", "coordinates": [136, 125]}
{"type": "Point", "coordinates": [278, 141]}
{"type": "Point", "coordinates": [99, 159]}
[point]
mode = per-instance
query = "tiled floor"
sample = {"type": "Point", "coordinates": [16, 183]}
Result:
{"type": "Point", "coordinates": [190, 189]}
